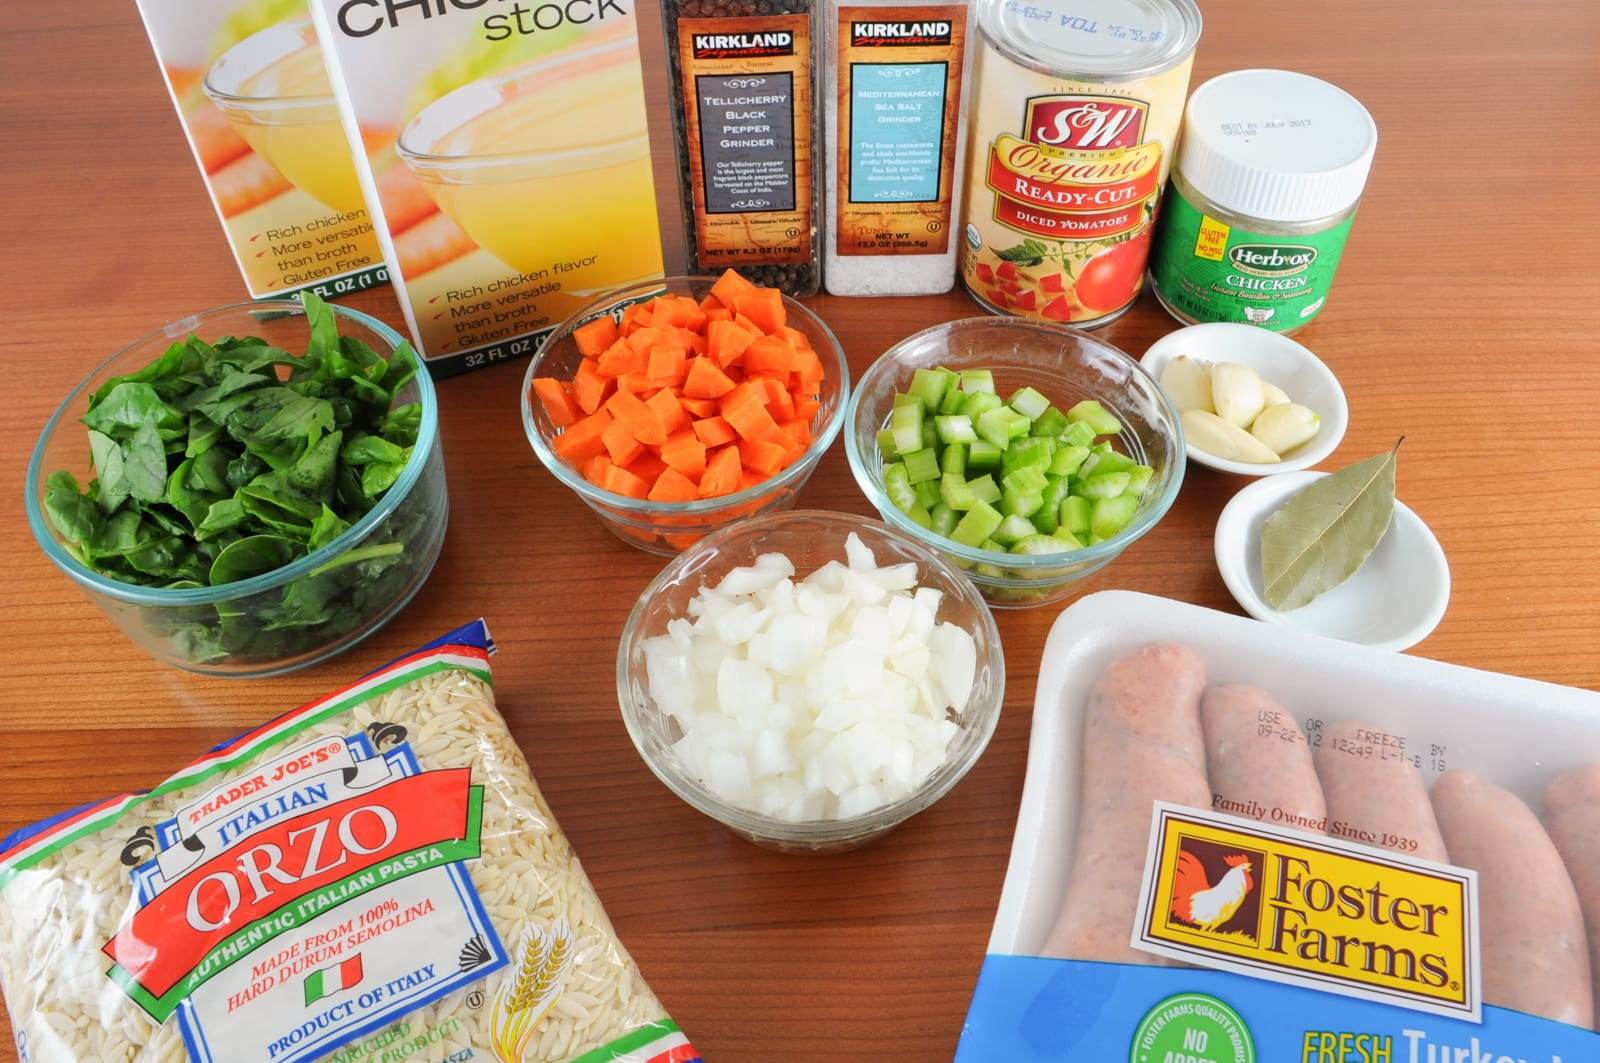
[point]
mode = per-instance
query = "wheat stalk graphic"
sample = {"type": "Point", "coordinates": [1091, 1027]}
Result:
{"type": "Point", "coordinates": [525, 999]}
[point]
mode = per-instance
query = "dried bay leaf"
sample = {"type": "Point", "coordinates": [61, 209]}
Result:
{"type": "Point", "coordinates": [1325, 532]}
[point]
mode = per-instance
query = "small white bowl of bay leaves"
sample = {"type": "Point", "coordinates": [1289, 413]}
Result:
{"type": "Point", "coordinates": [1394, 597]}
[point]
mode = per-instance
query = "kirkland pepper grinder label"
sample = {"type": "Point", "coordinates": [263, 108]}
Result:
{"type": "Point", "coordinates": [747, 110]}
{"type": "Point", "coordinates": [900, 71]}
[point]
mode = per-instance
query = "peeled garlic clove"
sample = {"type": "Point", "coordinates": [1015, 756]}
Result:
{"type": "Point", "coordinates": [1225, 440]}
{"type": "Point", "coordinates": [1188, 383]}
{"type": "Point", "coordinates": [1236, 393]}
{"type": "Point", "coordinates": [1274, 395]}
{"type": "Point", "coordinates": [1285, 427]}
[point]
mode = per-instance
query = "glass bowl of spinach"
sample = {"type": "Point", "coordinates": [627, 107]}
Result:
{"type": "Point", "coordinates": [249, 490]}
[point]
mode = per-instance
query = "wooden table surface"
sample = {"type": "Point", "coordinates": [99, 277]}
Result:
{"type": "Point", "coordinates": [1462, 318]}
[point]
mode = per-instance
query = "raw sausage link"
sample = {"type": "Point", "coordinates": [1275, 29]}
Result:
{"type": "Point", "coordinates": [1572, 814]}
{"type": "Point", "coordinates": [1141, 744]}
{"type": "Point", "coordinates": [1535, 955]}
{"type": "Point", "coordinates": [1258, 760]}
{"type": "Point", "coordinates": [1374, 793]}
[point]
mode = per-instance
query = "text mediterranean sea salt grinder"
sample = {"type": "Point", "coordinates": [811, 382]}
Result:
{"type": "Point", "coordinates": [1270, 169]}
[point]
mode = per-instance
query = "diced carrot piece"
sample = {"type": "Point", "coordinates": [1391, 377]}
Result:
{"type": "Point", "coordinates": [624, 482]}
{"type": "Point", "coordinates": [582, 440]}
{"type": "Point", "coordinates": [648, 466]}
{"type": "Point", "coordinates": [620, 359]}
{"type": "Point", "coordinates": [805, 409]}
{"type": "Point", "coordinates": [746, 324]}
{"type": "Point", "coordinates": [638, 383]}
{"type": "Point", "coordinates": [763, 457]}
{"type": "Point", "coordinates": [779, 402]}
{"type": "Point", "coordinates": [643, 339]}
{"type": "Point", "coordinates": [748, 479]}
{"type": "Point", "coordinates": [746, 410]}
{"type": "Point", "coordinates": [730, 286]}
{"type": "Point", "coordinates": [664, 310]}
{"type": "Point", "coordinates": [722, 473]}
{"type": "Point", "coordinates": [668, 410]}
{"type": "Point", "coordinates": [620, 443]}
{"type": "Point", "coordinates": [594, 470]}
{"type": "Point", "coordinates": [641, 420]}
{"type": "Point", "coordinates": [685, 452]}
{"type": "Point", "coordinates": [719, 313]}
{"type": "Point", "coordinates": [667, 365]}
{"type": "Point", "coordinates": [714, 431]}
{"type": "Point", "coordinates": [595, 336]}
{"type": "Point", "coordinates": [764, 306]}
{"type": "Point", "coordinates": [589, 388]}
{"type": "Point", "coordinates": [556, 396]}
{"type": "Point", "coordinates": [705, 380]}
{"type": "Point", "coordinates": [698, 407]}
{"type": "Point", "coordinates": [769, 354]}
{"type": "Point", "coordinates": [798, 431]}
{"type": "Point", "coordinates": [674, 486]}
{"type": "Point", "coordinates": [710, 303]}
{"type": "Point", "coordinates": [727, 342]}
{"type": "Point", "coordinates": [636, 316]}
{"type": "Point", "coordinates": [797, 339]}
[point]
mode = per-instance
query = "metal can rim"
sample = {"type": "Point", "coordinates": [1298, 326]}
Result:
{"type": "Point", "coordinates": [1188, 11]}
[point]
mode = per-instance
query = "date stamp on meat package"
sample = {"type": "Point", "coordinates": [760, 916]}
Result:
{"type": "Point", "coordinates": [1310, 910]}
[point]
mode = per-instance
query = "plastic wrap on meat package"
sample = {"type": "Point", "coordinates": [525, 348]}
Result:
{"type": "Point", "coordinates": [1240, 843]}
{"type": "Point", "coordinates": [372, 877]}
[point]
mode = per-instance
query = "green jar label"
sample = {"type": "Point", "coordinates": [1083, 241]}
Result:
{"type": "Point", "coordinates": [1208, 270]}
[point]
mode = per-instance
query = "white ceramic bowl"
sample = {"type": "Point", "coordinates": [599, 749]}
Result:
{"type": "Point", "coordinates": [1392, 602]}
{"type": "Point", "coordinates": [1280, 360]}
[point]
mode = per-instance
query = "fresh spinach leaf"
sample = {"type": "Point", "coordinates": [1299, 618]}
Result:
{"type": "Point", "coordinates": [74, 514]}
{"type": "Point", "coordinates": [253, 556]}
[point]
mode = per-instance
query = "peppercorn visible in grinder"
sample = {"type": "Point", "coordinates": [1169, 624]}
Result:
{"type": "Point", "coordinates": [743, 76]}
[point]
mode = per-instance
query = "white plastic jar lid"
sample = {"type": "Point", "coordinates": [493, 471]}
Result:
{"type": "Point", "coordinates": [1101, 40]}
{"type": "Point", "coordinates": [1276, 145]}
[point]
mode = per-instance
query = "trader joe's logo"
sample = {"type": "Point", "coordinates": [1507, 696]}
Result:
{"type": "Point", "coordinates": [1273, 903]}
{"type": "Point", "coordinates": [1272, 260]}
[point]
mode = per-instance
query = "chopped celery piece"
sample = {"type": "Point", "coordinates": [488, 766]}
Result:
{"type": "Point", "coordinates": [1102, 462]}
{"type": "Point", "coordinates": [986, 489]}
{"type": "Point", "coordinates": [1078, 434]}
{"type": "Point", "coordinates": [1048, 516]}
{"type": "Point", "coordinates": [1013, 529]}
{"type": "Point", "coordinates": [927, 493]}
{"type": "Point", "coordinates": [956, 428]}
{"type": "Point", "coordinates": [1050, 423]}
{"type": "Point", "coordinates": [984, 455]}
{"type": "Point", "coordinates": [983, 568]}
{"type": "Point", "coordinates": [929, 387]}
{"type": "Point", "coordinates": [995, 426]}
{"type": "Point", "coordinates": [1111, 515]}
{"type": "Point", "coordinates": [886, 445]}
{"type": "Point", "coordinates": [930, 438]}
{"type": "Point", "coordinates": [944, 519]}
{"type": "Point", "coordinates": [1068, 540]}
{"type": "Point", "coordinates": [1096, 417]}
{"type": "Point", "coordinates": [1102, 447]}
{"type": "Point", "coordinates": [1074, 516]}
{"type": "Point", "coordinates": [1029, 403]}
{"type": "Point", "coordinates": [953, 399]}
{"type": "Point", "coordinates": [920, 515]}
{"type": "Point", "coordinates": [1068, 460]}
{"type": "Point", "coordinates": [954, 459]}
{"type": "Point", "coordinates": [977, 524]}
{"type": "Point", "coordinates": [903, 399]}
{"type": "Point", "coordinates": [1027, 453]}
{"type": "Point", "coordinates": [906, 424]}
{"type": "Point", "coordinates": [922, 464]}
{"type": "Point", "coordinates": [956, 493]}
{"type": "Point", "coordinates": [1038, 544]}
{"type": "Point", "coordinates": [975, 381]}
{"type": "Point", "coordinates": [1020, 503]}
{"type": "Point", "coordinates": [1139, 479]}
{"type": "Point", "coordinates": [975, 406]}
{"type": "Point", "coordinates": [897, 485]}
{"type": "Point", "coordinates": [1110, 485]}
{"type": "Point", "coordinates": [1027, 478]}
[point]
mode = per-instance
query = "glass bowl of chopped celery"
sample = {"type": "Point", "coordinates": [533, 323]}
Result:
{"type": "Point", "coordinates": [1030, 454]}
{"type": "Point", "coordinates": [249, 490]}
{"type": "Point", "coordinates": [810, 680]}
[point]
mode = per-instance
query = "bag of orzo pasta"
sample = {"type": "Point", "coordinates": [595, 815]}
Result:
{"type": "Point", "coordinates": [372, 878]}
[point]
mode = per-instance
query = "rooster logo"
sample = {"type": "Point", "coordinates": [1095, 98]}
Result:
{"type": "Point", "coordinates": [1199, 903]}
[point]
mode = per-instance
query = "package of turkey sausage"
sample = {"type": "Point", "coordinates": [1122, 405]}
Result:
{"type": "Point", "coordinates": [1238, 842]}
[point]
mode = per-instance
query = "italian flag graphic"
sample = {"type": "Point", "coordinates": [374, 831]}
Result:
{"type": "Point", "coordinates": [330, 980]}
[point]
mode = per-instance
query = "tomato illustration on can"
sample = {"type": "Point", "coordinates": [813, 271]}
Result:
{"type": "Point", "coordinates": [1075, 112]}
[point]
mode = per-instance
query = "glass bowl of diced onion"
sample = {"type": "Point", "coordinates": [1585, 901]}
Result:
{"type": "Point", "coordinates": [1020, 363]}
{"type": "Point", "coordinates": [855, 794]}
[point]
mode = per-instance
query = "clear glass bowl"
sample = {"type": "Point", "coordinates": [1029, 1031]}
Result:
{"type": "Point", "coordinates": [668, 527]}
{"type": "Point", "coordinates": [1067, 366]}
{"type": "Point", "coordinates": [810, 538]}
{"type": "Point", "coordinates": [224, 630]}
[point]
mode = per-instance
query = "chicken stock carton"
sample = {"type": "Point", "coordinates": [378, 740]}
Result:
{"type": "Point", "coordinates": [505, 151]}
{"type": "Point", "coordinates": [251, 89]}
{"type": "Point", "coordinates": [1239, 843]}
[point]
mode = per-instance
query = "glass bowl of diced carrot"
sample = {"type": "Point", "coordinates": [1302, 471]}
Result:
{"type": "Point", "coordinates": [675, 407]}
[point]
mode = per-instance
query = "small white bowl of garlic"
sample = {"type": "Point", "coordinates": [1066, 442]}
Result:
{"type": "Point", "coordinates": [1253, 403]}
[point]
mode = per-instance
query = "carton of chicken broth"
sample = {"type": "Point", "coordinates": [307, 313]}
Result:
{"type": "Point", "coordinates": [248, 80]}
{"type": "Point", "coordinates": [504, 150]}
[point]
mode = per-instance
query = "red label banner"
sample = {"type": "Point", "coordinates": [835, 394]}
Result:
{"type": "Point", "coordinates": [1059, 226]}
